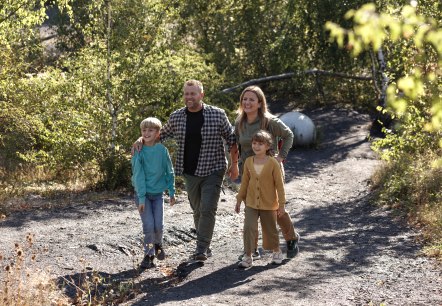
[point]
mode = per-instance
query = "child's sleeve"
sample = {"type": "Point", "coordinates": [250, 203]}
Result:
{"type": "Point", "coordinates": [169, 173]}
{"type": "Point", "coordinates": [138, 177]}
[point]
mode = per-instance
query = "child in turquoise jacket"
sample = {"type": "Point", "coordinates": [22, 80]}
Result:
{"type": "Point", "coordinates": [152, 174]}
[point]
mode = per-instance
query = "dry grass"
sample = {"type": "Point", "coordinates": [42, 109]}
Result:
{"type": "Point", "coordinates": [45, 183]}
{"type": "Point", "coordinates": [96, 288]}
{"type": "Point", "coordinates": [413, 187]}
{"type": "Point", "coordinates": [21, 284]}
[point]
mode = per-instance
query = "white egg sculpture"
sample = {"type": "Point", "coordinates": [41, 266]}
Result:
{"type": "Point", "coordinates": [302, 127]}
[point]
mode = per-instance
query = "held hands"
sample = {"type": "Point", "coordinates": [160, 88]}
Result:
{"type": "Point", "coordinates": [233, 171]}
{"type": "Point", "coordinates": [279, 159]}
{"type": "Point", "coordinates": [238, 207]}
{"type": "Point", "coordinates": [172, 201]}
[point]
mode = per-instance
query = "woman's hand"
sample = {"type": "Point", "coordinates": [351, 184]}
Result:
{"type": "Point", "coordinates": [279, 159]}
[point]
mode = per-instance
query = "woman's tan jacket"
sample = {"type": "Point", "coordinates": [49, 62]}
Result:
{"type": "Point", "coordinates": [264, 191]}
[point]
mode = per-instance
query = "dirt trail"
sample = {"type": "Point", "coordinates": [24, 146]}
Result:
{"type": "Point", "coordinates": [351, 252]}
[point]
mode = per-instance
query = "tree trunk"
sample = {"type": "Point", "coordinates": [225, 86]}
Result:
{"type": "Point", "coordinates": [109, 98]}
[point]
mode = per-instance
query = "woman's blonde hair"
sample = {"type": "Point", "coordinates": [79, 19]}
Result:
{"type": "Point", "coordinates": [263, 112]}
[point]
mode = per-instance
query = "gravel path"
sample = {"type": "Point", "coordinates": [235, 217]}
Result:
{"type": "Point", "coordinates": [351, 252]}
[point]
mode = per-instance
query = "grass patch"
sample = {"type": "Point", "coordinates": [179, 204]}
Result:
{"type": "Point", "coordinates": [413, 186]}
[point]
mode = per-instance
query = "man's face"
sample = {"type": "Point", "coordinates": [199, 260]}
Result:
{"type": "Point", "coordinates": [193, 97]}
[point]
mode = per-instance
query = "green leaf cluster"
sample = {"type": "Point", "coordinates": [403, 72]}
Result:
{"type": "Point", "coordinates": [412, 37]}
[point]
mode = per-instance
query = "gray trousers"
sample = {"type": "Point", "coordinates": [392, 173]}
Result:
{"type": "Point", "coordinates": [203, 193]}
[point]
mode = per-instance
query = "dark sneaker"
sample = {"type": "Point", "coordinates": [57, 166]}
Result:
{"type": "Point", "coordinates": [292, 247]}
{"type": "Point", "coordinates": [255, 255]}
{"type": "Point", "coordinates": [159, 252]}
{"type": "Point", "coordinates": [202, 256]}
{"type": "Point", "coordinates": [147, 262]}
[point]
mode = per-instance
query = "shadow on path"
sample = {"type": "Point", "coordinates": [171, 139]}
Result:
{"type": "Point", "coordinates": [156, 290]}
{"type": "Point", "coordinates": [214, 283]}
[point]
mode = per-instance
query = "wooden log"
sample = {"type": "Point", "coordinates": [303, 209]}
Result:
{"type": "Point", "coordinates": [289, 75]}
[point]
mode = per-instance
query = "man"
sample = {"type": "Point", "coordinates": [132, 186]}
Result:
{"type": "Point", "coordinates": [200, 131]}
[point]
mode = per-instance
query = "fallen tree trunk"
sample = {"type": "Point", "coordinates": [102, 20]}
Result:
{"type": "Point", "coordinates": [289, 75]}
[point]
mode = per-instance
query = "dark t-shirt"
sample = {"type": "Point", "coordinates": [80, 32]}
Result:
{"type": "Point", "coordinates": [193, 141]}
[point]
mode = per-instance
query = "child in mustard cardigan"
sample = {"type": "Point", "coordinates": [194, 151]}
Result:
{"type": "Point", "coordinates": [262, 190]}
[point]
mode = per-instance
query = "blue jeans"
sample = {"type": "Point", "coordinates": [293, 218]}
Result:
{"type": "Point", "coordinates": [153, 222]}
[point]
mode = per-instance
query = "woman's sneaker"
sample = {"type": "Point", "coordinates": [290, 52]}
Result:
{"type": "Point", "coordinates": [246, 262]}
{"type": "Point", "coordinates": [292, 247]}
{"type": "Point", "coordinates": [255, 255]}
{"type": "Point", "coordinates": [277, 258]}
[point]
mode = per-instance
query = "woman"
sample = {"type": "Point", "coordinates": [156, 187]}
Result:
{"type": "Point", "coordinates": [253, 116]}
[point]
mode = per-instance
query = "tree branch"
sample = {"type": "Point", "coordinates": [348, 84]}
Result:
{"type": "Point", "coordinates": [289, 75]}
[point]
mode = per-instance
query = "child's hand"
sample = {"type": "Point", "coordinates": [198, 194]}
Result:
{"type": "Point", "coordinates": [172, 201]}
{"type": "Point", "coordinates": [237, 207]}
{"type": "Point", "coordinates": [141, 208]}
{"type": "Point", "coordinates": [280, 211]}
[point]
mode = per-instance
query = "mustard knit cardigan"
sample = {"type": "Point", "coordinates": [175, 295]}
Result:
{"type": "Point", "coordinates": [264, 191]}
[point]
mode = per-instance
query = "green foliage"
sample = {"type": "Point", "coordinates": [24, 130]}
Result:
{"type": "Point", "coordinates": [417, 87]}
{"type": "Point", "coordinates": [19, 135]}
{"type": "Point", "coordinates": [120, 61]}
{"type": "Point", "coordinates": [251, 39]}
{"type": "Point", "coordinates": [121, 74]}
{"type": "Point", "coordinates": [412, 178]}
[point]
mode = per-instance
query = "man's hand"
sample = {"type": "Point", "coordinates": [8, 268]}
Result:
{"type": "Point", "coordinates": [138, 145]}
{"type": "Point", "coordinates": [141, 208]}
{"type": "Point", "coordinates": [172, 201]}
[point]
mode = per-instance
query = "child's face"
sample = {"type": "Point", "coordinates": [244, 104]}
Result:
{"type": "Point", "coordinates": [150, 135]}
{"type": "Point", "coordinates": [260, 148]}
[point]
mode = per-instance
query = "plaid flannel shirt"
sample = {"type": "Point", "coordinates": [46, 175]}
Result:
{"type": "Point", "coordinates": [216, 131]}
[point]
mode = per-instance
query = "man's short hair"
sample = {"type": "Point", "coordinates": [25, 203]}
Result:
{"type": "Point", "coordinates": [194, 83]}
{"type": "Point", "coordinates": [151, 123]}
